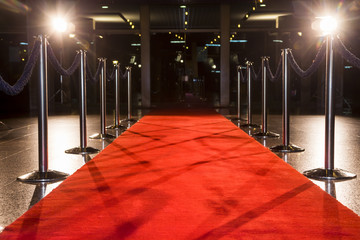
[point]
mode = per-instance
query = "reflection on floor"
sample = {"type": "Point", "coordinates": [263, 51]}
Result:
{"type": "Point", "coordinates": [19, 155]}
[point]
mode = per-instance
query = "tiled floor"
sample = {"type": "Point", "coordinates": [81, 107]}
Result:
{"type": "Point", "coordinates": [19, 155]}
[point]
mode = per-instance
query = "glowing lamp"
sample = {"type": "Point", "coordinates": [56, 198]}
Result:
{"type": "Point", "coordinates": [326, 25]}
{"type": "Point", "coordinates": [59, 24]}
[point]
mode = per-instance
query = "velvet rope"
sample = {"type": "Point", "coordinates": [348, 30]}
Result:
{"type": "Point", "coordinates": [345, 53]}
{"type": "Point", "coordinates": [93, 78]}
{"type": "Point", "coordinates": [123, 75]}
{"type": "Point", "coordinates": [111, 76]}
{"type": "Point", "coordinates": [256, 76]}
{"type": "Point", "coordinates": [25, 77]}
{"type": "Point", "coordinates": [56, 64]}
{"type": "Point", "coordinates": [277, 75]}
{"type": "Point", "coordinates": [314, 66]}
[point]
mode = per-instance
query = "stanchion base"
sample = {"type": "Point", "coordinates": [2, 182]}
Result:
{"type": "Point", "coordinates": [237, 119]}
{"type": "Point", "coordinates": [102, 136]}
{"type": "Point", "coordinates": [287, 148]}
{"type": "Point", "coordinates": [251, 125]}
{"type": "Point", "coordinates": [329, 174]}
{"type": "Point", "coordinates": [266, 135]}
{"type": "Point", "coordinates": [129, 120]}
{"type": "Point", "coordinates": [116, 127]}
{"type": "Point", "coordinates": [82, 151]}
{"type": "Point", "coordinates": [38, 177]}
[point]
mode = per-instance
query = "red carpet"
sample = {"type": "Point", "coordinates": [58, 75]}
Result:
{"type": "Point", "coordinates": [186, 175]}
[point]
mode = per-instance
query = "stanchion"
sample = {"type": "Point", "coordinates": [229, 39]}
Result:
{"type": "Point", "coordinates": [129, 119]}
{"type": "Point", "coordinates": [238, 118]}
{"type": "Point", "coordinates": [117, 124]}
{"type": "Point", "coordinates": [286, 147]}
{"type": "Point", "coordinates": [43, 174]}
{"type": "Point", "coordinates": [249, 87]}
{"type": "Point", "coordinates": [83, 149]}
{"type": "Point", "coordinates": [102, 134]}
{"type": "Point", "coordinates": [329, 173]}
{"type": "Point", "coordinates": [264, 132]}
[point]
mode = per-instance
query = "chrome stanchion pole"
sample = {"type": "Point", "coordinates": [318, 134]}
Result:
{"type": "Point", "coordinates": [329, 173]}
{"type": "Point", "coordinates": [249, 88]}
{"type": "Point", "coordinates": [83, 149]}
{"type": "Point", "coordinates": [43, 174]}
{"type": "Point", "coordinates": [286, 147]}
{"type": "Point", "coordinates": [264, 132]}
{"type": "Point", "coordinates": [102, 134]}
{"type": "Point", "coordinates": [128, 69]}
{"type": "Point", "coordinates": [238, 118]}
{"type": "Point", "coordinates": [117, 124]}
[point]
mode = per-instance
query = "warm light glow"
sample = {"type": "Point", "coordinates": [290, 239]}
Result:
{"type": "Point", "coordinates": [104, 6]}
{"type": "Point", "coordinates": [299, 34]}
{"type": "Point", "coordinates": [101, 37]}
{"type": "Point", "coordinates": [183, 6]}
{"type": "Point", "coordinates": [115, 62]}
{"type": "Point", "coordinates": [213, 66]}
{"type": "Point", "coordinates": [218, 36]}
{"type": "Point", "coordinates": [328, 25]}
{"type": "Point", "coordinates": [132, 26]}
{"type": "Point", "coordinates": [254, 8]}
{"type": "Point", "coordinates": [186, 22]}
{"type": "Point", "coordinates": [71, 35]}
{"type": "Point", "coordinates": [186, 13]}
{"type": "Point", "coordinates": [59, 24]}
{"type": "Point", "coordinates": [239, 25]}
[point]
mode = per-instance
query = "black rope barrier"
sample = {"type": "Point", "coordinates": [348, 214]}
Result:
{"type": "Point", "coordinates": [277, 75]}
{"type": "Point", "coordinates": [56, 64]}
{"type": "Point", "coordinates": [25, 77]}
{"type": "Point", "coordinates": [89, 75]}
{"type": "Point", "coordinates": [256, 76]}
{"type": "Point", "coordinates": [125, 74]}
{"type": "Point", "coordinates": [111, 76]}
{"type": "Point", "coordinates": [345, 53]}
{"type": "Point", "coordinates": [314, 66]}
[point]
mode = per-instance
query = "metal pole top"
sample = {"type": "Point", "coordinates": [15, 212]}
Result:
{"type": "Point", "coordinates": [248, 63]}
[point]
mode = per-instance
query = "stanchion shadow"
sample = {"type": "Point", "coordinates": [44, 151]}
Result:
{"type": "Point", "coordinates": [86, 158]}
{"type": "Point", "coordinates": [330, 188]}
{"type": "Point", "coordinates": [39, 193]}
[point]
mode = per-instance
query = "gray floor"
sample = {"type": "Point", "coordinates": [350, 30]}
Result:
{"type": "Point", "coordinates": [19, 155]}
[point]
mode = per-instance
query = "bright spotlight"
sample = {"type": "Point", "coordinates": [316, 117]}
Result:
{"type": "Point", "coordinates": [326, 25]}
{"type": "Point", "coordinates": [59, 24]}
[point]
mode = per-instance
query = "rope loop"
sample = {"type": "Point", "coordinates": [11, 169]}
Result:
{"type": "Point", "coordinates": [25, 76]}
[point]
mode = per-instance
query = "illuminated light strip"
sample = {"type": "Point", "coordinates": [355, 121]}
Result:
{"type": "Point", "coordinates": [135, 44]}
{"type": "Point", "coordinates": [177, 41]}
{"type": "Point", "coordinates": [212, 45]}
{"type": "Point", "coordinates": [277, 41]}
{"type": "Point", "coordinates": [24, 43]}
{"type": "Point", "coordinates": [239, 41]}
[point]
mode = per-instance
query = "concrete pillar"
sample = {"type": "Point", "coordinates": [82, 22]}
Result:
{"type": "Point", "coordinates": [145, 56]}
{"type": "Point", "coordinates": [225, 55]}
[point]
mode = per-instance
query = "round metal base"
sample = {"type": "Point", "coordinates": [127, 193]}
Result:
{"type": "Point", "coordinates": [82, 151]}
{"type": "Point", "coordinates": [251, 125]}
{"type": "Point", "coordinates": [237, 119]}
{"type": "Point", "coordinates": [287, 148]}
{"type": "Point", "coordinates": [116, 127]}
{"type": "Point", "coordinates": [129, 120]}
{"type": "Point", "coordinates": [329, 174]}
{"type": "Point", "coordinates": [266, 135]}
{"type": "Point", "coordinates": [38, 177]}
{"type": "Point", "coordinates": [102, 136]}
